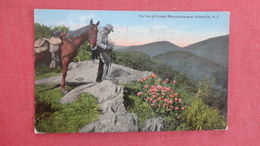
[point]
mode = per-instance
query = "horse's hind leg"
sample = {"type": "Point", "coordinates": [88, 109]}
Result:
{"type": "Point", "coordinates": [65, 64]}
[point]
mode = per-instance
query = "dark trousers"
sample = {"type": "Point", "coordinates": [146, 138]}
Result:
{"type": "Point", "coordinates": [94, 54]}
{"type": "Point", "coordinates": [103, 70]}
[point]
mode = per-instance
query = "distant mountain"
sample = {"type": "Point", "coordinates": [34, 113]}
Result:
{"type": "Point", "coordinates": [196, 66]}
{"type": "Point", "coordinates": [208, 58]}
{"type": "Point", "coordinates": [118, 48]}
{"type": "Point", "coordinates": [214, 49]}
{"type": "Point", "coordinates": [152, 49]}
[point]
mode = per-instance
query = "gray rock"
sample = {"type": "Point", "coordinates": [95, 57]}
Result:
{"type": "Point", "coordinates": [113, 122]}
{"type": "Point", "coordinates": [153, 124]}
{"type": "Point", "coordinates": [114, 117]}
{"type": "Point", "coordinates": [86, 72]}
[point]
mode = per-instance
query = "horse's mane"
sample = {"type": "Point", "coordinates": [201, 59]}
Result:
{"type": "Point", "coordinates": [78, 32]}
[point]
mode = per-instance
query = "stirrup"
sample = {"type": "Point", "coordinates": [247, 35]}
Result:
{"type": "Point", "coordinates": [53, 64]}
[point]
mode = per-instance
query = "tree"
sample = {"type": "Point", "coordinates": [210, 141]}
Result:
{"type": "Point", "coordinates": [41, 31]}
{"type": "Point", "coordinates": [61, 28]}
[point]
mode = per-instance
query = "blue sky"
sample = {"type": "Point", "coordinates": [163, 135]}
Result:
{"type": "Point", "coordinates": [141, 27]}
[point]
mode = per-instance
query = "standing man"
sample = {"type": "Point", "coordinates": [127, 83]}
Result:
{"type": "Point", "coordinates": [103, 47]}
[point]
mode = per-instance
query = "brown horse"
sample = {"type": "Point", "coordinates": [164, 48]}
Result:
{"type": "Point", "coordinates": [71, 41]}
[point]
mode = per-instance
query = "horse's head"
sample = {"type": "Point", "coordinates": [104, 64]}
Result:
{"type": "Point", "coordinates": [93, 30]}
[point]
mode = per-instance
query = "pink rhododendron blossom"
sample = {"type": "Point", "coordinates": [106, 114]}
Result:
{"type": "Point", "coordinates": [139, 93]}
{"type": "Point", "coordinates": [153, 75]}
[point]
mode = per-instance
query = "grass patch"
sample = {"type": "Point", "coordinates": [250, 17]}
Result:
{"type": "Point", "coordinates": [53, 117]}
{"type": "Point", "coordinates": [43, 71]}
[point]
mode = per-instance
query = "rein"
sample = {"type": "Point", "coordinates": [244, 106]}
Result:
{"type": "Point", "coordinates": [73, 43]}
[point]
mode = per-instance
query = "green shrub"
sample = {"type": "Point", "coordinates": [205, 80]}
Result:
{"type": "Point", "coordinates": [53, 117]}
{"type": "Point", "coordinates": [180, 108]}
{"type": "Point", "coordinates": [212, 97]}
{"type": "Point", "coordinates": [84, 53]}
{"type": "Point", "coordinates": [142, 109]}
{"type": "Point", "coordinates": [161, 96]}
{"type": "Point", "coordinates": [46, 101]}
{"type": "Point", "coordinates": [153, 97]}
{"type": "Point", "coordinates": [199, 116]}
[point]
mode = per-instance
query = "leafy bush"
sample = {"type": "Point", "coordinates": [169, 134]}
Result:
{"type": "Point", "coordinates": [161, 96]}
{"type": "Point", "coordinates": [84, 53]}
{"type": "Point", "coordinates": [46, 101]}
{"type": "Point", "coordinates": [199, 116]}
{"type": "Point", "coordinates": [53, 117]}
{"type": "Point", "coordinates": [212, 97]}
{"type": "Point", "coordinates": [180, 109]}
{"type": "Point", "coordinates": [142, 109]}
{"type": "Point", "coordinates": [153, 97]}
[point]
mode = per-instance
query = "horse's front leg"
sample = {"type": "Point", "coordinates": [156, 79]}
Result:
{"type": "Point", "coordinates": [65, 64]}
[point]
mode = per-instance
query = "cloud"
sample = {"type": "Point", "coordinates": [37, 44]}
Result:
{"type": "Point", "coordinates": [137, 35]}
{"type": "Point", "coordinates": [76, 22]}
{"type": "Point", "coordinates": [84, 18]}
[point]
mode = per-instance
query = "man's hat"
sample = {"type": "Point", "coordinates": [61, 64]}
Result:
{"type": "Point", "coordinates": [109, 27]}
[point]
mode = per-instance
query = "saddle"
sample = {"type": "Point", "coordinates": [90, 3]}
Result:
{"type": "Point", "coordinates": [52, 45]}
{"type": "Point", "coordinates": [41, 45]}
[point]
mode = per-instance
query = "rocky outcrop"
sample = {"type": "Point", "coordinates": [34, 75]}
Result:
{"type": "Point", "coordinates": [85, 73]}
{"type": "Point", "coordinates": [114, 117]}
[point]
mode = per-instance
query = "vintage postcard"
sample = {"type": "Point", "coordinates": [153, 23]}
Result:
{"type": "Point", "coordinates": [130, 71]}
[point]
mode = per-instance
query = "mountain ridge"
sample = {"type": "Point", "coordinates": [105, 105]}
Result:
{"type": "Point", "coordinates": [207, 58]}
{"type": "Point", "coordinates": [152, 48]}
{"type": "Point", "coordinates": [196, 66]}
{"type": "Point", "coordinates": [214, 49]}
